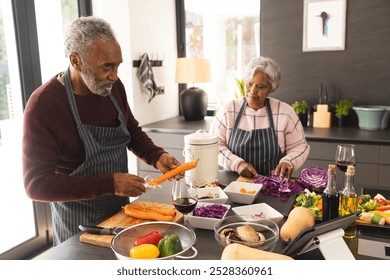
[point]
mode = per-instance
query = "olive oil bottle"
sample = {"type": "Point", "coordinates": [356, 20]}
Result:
{"type": "Point", "coordinates": [330, 196]}
{"type": "Point", "coordinates": [348, 201]}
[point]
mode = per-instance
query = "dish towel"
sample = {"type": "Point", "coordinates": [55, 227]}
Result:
{"type": "Point", "coordinates": [146, 77]}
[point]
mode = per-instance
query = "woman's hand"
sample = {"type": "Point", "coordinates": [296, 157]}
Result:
{"type": "Point", "coordinates": [247, 170]}
{"type": "Point", "coordinates": [284, 169]}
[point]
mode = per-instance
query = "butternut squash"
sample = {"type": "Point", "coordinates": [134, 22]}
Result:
{"type": "Point", "coordinates": [235, 251]}
{"type": "Point", "coordinates": [299, 218]}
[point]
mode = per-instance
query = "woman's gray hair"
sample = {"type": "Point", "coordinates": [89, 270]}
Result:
{"type": "Point", "coordinates": [81, 34]}
{"type": "Point", "coordinates": [265, 65]}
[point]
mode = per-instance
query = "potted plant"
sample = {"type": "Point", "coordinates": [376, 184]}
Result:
{"type": "Point", "coordinates": [342, 109]}
{"type": "Point", "coordinates": [241, 88]}
{"type": "Point", "coordinates": [301, 108]}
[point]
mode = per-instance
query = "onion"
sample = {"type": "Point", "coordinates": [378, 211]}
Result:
{"type": "Point", "coordinates": [314, 177]}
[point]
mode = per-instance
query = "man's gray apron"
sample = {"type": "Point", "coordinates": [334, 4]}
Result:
{"type": "Point", "coordinates": [105, 152]}
{"type": "Point", "coordinates": [259, 147]}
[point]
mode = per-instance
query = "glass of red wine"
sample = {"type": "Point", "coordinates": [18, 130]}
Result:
{"type": "Point", "coordinates": [345, 155]}
{"type": "Point", "coordinates": [185, 197]}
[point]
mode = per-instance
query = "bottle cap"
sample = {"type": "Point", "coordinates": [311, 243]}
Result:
{"type": "Point", "coordinates": [332, 168]}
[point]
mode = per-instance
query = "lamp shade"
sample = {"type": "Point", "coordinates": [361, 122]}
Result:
{"type": "Point", "coordinates": [192, 70]}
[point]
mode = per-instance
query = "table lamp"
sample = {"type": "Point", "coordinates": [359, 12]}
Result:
{"type": "Point", "coordinates": [193, 100]}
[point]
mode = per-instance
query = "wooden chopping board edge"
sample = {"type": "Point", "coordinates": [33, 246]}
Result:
{"type": "Point", "coordinates": [120, 219]}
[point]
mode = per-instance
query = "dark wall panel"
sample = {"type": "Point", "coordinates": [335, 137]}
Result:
{"type": "Point", "coordinates": [361, 72]}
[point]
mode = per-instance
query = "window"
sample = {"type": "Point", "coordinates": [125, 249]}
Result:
{"type": "Point", "coordinates": [29, 38]}
{"type": "Point", "coordinates": [225, 31]}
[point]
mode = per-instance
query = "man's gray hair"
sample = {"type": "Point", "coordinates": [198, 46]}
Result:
{"type": "Point", "coordinates": [82, 32]}
{"type": "Point", "coordinates": [265, 65]}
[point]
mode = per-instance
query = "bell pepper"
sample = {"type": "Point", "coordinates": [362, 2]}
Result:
{"type": "Point", "coordinates": [169, 245]}
{"type": "Point", "coordinates": [144, 251]}
{"type": "Point", "coordinates": [152, 237]}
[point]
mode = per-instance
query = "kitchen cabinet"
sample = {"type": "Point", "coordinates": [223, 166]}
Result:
{"type": "Point", "coordinates": [369, 168]}
{"type": "Point", "coordinates": [372, 148]}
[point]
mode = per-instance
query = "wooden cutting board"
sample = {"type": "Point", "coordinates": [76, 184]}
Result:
{"type": "Point", "coordinates": [244, 179]}
{"type": "Point", "coordinates": [120, 219]}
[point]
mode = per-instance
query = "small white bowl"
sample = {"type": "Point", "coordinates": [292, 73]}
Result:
{"type": "Point", "coordinates": [205, 222]}
{"type": "Point", "coordinates": [258, 211]}
{"type": "Point", "coordinates": [233, 191]}
{"type": "Point", "coordinates": [219, 195]}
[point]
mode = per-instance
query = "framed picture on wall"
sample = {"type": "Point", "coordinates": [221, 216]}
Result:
{"type": "Point", "coordinates": [324, 25]}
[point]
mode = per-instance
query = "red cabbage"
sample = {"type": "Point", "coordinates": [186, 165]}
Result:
{"type": "Point", "coordinates": [210, 211]}
{"type": "Point", "coordinates": [314, 177]}
{"type": "Point", "coordinates": [277, 186]}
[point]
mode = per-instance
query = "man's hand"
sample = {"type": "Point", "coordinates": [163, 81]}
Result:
{"type": "Point", "coordinates": [166, 162]}
{"type": "Point", "coordinates": [128, 185]}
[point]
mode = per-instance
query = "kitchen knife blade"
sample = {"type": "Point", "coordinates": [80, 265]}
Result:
{"type": "Point", "coordinates": [101, 230]}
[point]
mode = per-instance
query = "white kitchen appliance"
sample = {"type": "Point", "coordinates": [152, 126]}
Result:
{"type": "Point", "coordinates": [202, 146]}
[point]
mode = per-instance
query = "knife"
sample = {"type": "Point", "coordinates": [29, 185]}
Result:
{"type": "Point", "coordinates": [102, 230]}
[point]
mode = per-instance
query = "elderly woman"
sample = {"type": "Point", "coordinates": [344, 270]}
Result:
{"type": "Point", "coordinates": [256, 133]}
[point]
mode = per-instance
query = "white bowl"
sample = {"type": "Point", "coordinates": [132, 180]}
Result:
{"type": "Point", "coordinates": [233, 191]}
{"type": "Point", "coordinates": [220, 195]}
{"type": "Point", "coordinates": [258, 211]}
{"type": "Point", "coordinates": [205, 222]}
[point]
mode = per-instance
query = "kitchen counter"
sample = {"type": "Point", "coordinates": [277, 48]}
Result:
{"type": "Point", "coordinates": [334, 134]}
{"type": "Point", "coordinates": [208, 248]}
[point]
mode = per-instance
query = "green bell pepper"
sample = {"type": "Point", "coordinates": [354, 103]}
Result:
{"type": "Point", "coordinates": [169, 245]}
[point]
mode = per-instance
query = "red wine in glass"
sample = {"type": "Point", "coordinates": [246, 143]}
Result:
{"type": "Point", "coordinates": [343, 164]}
{"type": "Point", "coordinates": [185, 204]}
{"type": "Point", "coordinates": [345, 155]}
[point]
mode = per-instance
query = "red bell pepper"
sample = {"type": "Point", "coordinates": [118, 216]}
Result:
{"type": "Point", "coordinates": [152, 237]}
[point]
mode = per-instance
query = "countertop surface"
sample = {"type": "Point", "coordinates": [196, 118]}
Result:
{"type": "Point", "coordinates": [207, 247]}
{"type": "Point", "coordinates": [178, 125]}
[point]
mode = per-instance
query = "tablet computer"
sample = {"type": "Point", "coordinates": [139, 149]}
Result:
{"type": "Point", "coordinates": [294, 247]}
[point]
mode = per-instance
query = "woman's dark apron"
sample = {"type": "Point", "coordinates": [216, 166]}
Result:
{"type": "Point", "coordinates": [259, 147]}
{"type": "Point", "coordinates": [105, 152]}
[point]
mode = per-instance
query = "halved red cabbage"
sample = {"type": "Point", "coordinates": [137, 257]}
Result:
{"type": "Point", "coordinates": [314, 177]}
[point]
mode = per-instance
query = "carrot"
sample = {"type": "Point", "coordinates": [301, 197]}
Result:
{"type": "Point", "coordinates": [362, 221]}
{"type": "Point", "coordinates": [175, 171]}
{"type": "Point", "coordinates": [383, 208]}
{"type": "Point", "coordinates": [146, 215]}
{"type": "Point", "coordinates": [153, 207]}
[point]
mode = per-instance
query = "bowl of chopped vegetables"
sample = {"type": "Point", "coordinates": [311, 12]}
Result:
{"type": "Point", "coordinates": [242, 192]}
{"type": "Point", "coordinates": [205, 215]}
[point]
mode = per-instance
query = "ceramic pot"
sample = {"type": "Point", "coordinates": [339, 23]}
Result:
{"type": "Point", "coordinates": [193, 104]}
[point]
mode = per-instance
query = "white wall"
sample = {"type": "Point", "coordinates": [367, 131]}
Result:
{"type": "Point", "coordinates": [145, 26]}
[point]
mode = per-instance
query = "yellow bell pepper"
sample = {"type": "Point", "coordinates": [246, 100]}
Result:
{"type": "Point", "coordinates": [144, 251]}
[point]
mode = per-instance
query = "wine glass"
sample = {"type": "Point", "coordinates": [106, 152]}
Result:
{"type": "Point", "coordinates": [185, 197]}
{"type": "Point", "coordinates": [345, 155]}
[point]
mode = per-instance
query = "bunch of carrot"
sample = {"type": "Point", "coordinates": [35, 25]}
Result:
{"type": "Point", "coordinates": [150, 211]}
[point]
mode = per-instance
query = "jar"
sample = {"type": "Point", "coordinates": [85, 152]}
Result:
{"type": "Point", "coordinates": [202, 146]}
